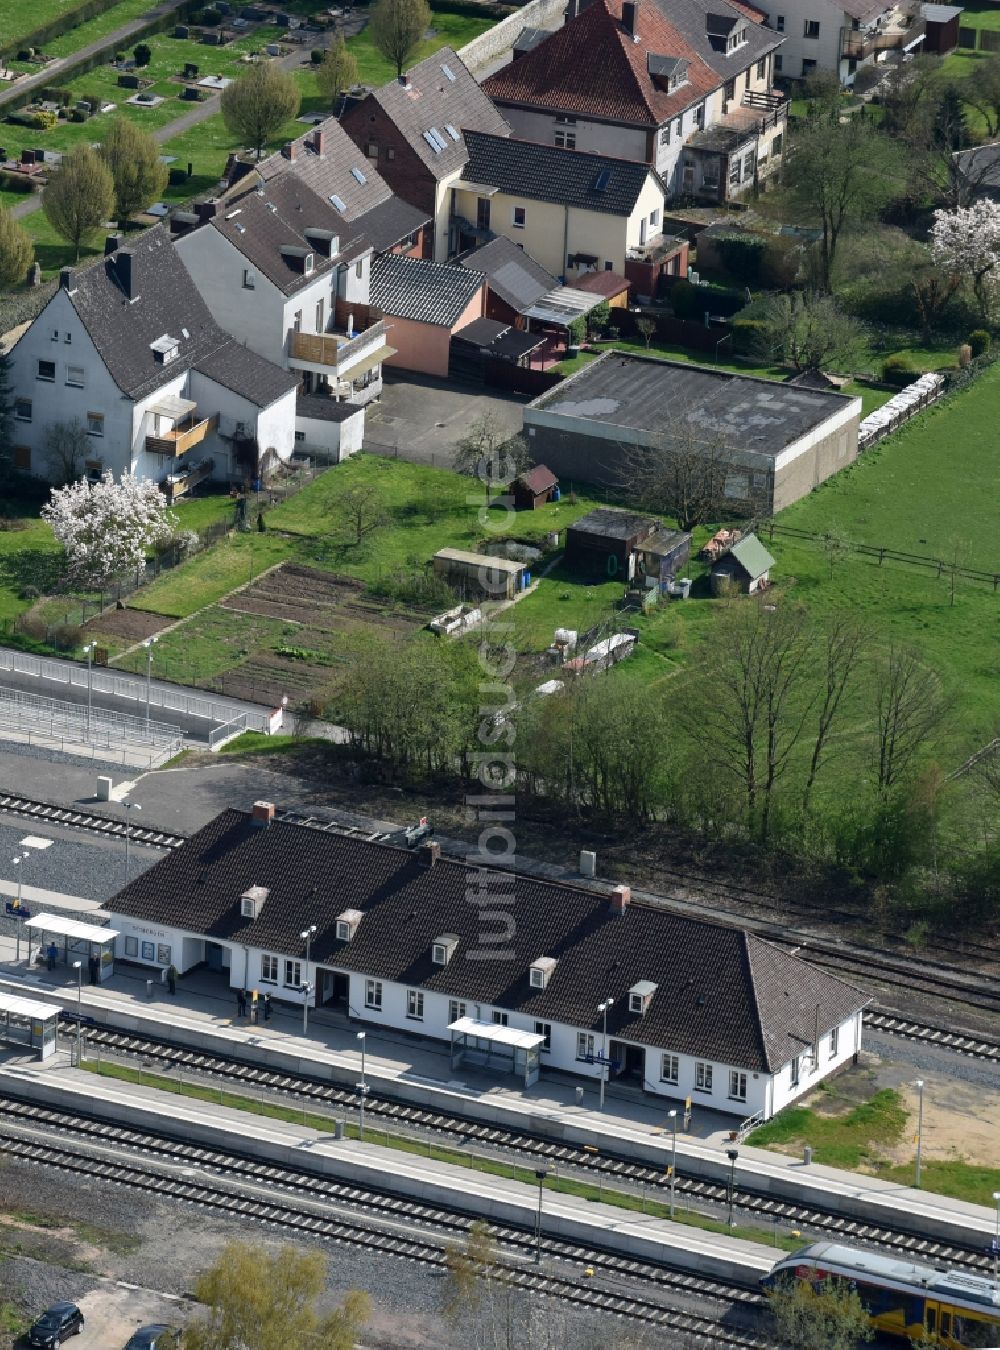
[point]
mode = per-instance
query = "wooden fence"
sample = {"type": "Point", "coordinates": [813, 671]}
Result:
{"type": "Point", "coordinates": [883, 553]}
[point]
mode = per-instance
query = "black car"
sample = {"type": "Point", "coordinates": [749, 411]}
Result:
{"type": "Point", "coordinates": [154, 1337]}
{"type": "Point", "coordinates": [55, 1324]}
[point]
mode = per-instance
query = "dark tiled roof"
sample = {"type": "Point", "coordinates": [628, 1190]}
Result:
{"type": "Point", "coordinates": [330, 172]}
{"type": "Point", "coordinates": [690, 17]}
{"type": "Point", "coordinates": [517, 279]}
{"type": "Point", "coordinates": [276, 217]}
{"type": "Point", "coordinates": [592, 66]}
{"type": "Point", "coordinates": [720, 993]}
{"type": "Point", "coordinates": [431, 102]}
{"type": "Point", "coordinates": [326, 409]}
{"type": "Point", "coordinates": [545, 173]}
{"type": "Point", "coordinates": [608, 284]}
{"type": "Point", "coordinates": [413, 288]}
{"type": "Point", "coordinates": [165, 301]}
{"type": "Point", "coordinates": [390, 222]}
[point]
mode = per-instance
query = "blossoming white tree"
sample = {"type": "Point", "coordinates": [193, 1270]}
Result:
{"type": "Point", "coordinates": [107, 528]}
{"type": "Point", "coordinates": [967, 240]}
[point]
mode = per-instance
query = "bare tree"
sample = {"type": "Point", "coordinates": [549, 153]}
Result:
{"type": "Point", "coordinates": [909, 705]}
{"type": "Point", "coordinates": [647, 327]}
{"type": "Point", "coordinates": [684, 476]}
{"type": "Point", "coordinates": [836, 546]}
{"type": "Point", "coordinates": [66, 447]}
{"type": "Point", "coordinates": [844, 645]}
{"type": "Point", "coordinates": [489, 452]}
{"type": "Point", "coordinates": [364, 511]}
{"type": "Point", "coordinates": [749, 698]}
{"type": "Point", "coordinates": [396, 28]}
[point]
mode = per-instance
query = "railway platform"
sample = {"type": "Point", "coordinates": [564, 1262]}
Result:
{"type": "Point", "coordinates": [473, 1193]}
{"type": "Point", "coordinates": [418, 1072]}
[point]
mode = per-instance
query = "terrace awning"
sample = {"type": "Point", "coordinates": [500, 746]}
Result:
{"type": "Point", "coordinates": [173, 406]}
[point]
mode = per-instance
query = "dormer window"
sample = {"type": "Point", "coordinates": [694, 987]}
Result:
{"type": "Point", "coordinates": [540, 972]}
{"type": "Point", "coordinates": [347, 924]}
{"type": "Point", "coordinates": [252, 901]}
{"type": "Point", "coordinates": [300, 259]}
{"type": "Point", "coordinates": [737, 39]}
{"type": "Point", "coordinates": [165, 349]}
{"type": "Point", "coordinates": [443, 948]}
{"type": "Point", "coordinates": [640, 996]}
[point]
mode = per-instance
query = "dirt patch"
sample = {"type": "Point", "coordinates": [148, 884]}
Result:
{"type": "Point", "coordinates": [320, 600]}
{"type": "Point", "coordinates": [960, 1118]}
{"type": "Point", "coordinates": [134, 625]}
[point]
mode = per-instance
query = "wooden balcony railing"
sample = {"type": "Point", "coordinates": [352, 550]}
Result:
{"type": "Point", "coordinates": [184, 437]}
{"type": "Point", "coordinates": [329, 349]}
{"type": "Point", "coordinates": [176, 485]}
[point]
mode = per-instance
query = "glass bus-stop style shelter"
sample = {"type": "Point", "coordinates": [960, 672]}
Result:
{"type": "Point", "coordinates": [91, 944]}
{"type": "Point", "coordinates": [502, 1049]}
{"type": "Point", "coordinates": [25, 1022]}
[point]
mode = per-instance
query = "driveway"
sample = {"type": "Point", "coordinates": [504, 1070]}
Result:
{"type": "Point", "coordinates": [421, 420]}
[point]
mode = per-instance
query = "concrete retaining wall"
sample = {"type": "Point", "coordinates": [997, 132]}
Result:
{"type": "Point", "coordinates": [494, 48]}
{"type": "Point", "coordinates": [397, 1174]}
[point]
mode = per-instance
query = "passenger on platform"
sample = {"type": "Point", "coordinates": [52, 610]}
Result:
{"type": "Point", "coordinates": [172, 979]}
{"type": "Point", "coordinates": [94, 966]}
{"type": "Point", "coordinates": [53, 954]}
{"type": "Point", "coordinates": [241, 1003]}
{"type": "Point", "coordinates": [267, 1007]}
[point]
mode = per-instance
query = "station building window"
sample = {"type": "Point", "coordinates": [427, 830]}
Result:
{"type": "Point", "coordinates": [373, 994]}
{"type": "Point", "coordinates": [269, 969]}
{"type": "Point", "coordinates": [737, 1086]}
{"type": "Point", "coordinates": [670, 1069]}
{"type": "Point", "coordinates": [544, 1029]}
{"type": "Point", "coordinates": [584, 1045]}
{"type": "Point", "coordinates": [293, 974]}
{"type": "Point", "coordinates": [415, 1004]}
{"type": "Point", "coordinates": [702, 1076]}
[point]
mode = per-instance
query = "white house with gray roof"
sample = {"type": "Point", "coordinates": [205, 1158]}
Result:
{"type": "Point", "coordinates": [128, 349]}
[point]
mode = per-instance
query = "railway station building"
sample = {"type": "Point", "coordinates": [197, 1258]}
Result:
{"type": "Point", "coordinates": [382, 935]}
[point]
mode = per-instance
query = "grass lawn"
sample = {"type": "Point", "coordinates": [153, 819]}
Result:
{"type": "Point", "coordinates": [210, 575]}
{"type": "Point", "coordinates": [217, 641]}
{"type": "Point", "coordinates": [27, 557]}
{"type": "Point", "coordinates": [446, 30]}
{"type": "Point", "coordinates": [125, 11]}
{"type": "Point", "coordinates": [23, 17]}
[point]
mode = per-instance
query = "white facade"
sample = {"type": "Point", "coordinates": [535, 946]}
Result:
{"type": "Point", "coordinates": [58, 375]}
{"type": "Point", "coordinates": [709, 1083]}
{"type": "Point", "coordinates": [820, 36]}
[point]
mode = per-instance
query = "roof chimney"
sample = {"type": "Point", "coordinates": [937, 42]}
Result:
{"type": "Point", "coordinates": [206, 210]}
{"type": "Point", "coordinates": [431, 853]}
{"type": "Point", "coordinates": [263, 815]}
{"type": "Point", "coordinates": [630, 16]}
{"type": "Point", "coordinates": [620, 897]}
{"type": "Point", "coordinates": [111, 244]}
{"type": "Point", "coordinates": [290, 150]}
{"type": "Point", "coordinates": [124, 262]}
{"type": "Point", "coordinates": [67, 279]}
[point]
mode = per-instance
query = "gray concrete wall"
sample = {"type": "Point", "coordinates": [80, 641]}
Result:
{"type": "Point", "coordinates": [827, 457]}
{"type": "Point", "coordinates": [493, 49]}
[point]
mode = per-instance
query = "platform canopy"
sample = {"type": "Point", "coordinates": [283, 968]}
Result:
{"type": "Point", "coordinates": [27, 1007]}
{"type": "Point", "coordinates": [71, 928]}
{"type": "Point", "coordinates": [490, 1031]}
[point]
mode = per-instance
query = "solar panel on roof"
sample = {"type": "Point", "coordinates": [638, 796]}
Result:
{"type": "Point", "coordinates": [357, 174]}
{"type": "Point", "coordinates": [338, 202]}
{"type": "Point", "coordinates": [433, 143]}
{"type": "Point", "coordinates": [452, 132]}
{"type": "Point", "coordinates": [448, 73]}
{"type": "Point", "coordinates": [602, 180]}
{"type": "Point", "coordinates": [438, 139]}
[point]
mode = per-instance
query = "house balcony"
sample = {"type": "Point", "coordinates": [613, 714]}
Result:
{"type": "Point", "coordinates": [186, 434]}
{"type": "Point", "coordinates": [888, 34]}
{"type": "Point", "coordinates": [175, 485]}
{"type": "Point", "coordinates": [338, 356]}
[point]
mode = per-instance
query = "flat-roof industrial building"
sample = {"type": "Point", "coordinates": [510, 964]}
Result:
{"type": "Point", "coordinates": [777, 441]}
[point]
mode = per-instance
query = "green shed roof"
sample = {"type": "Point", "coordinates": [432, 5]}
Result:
{"type": "Point", "coordinates": [751, 554]}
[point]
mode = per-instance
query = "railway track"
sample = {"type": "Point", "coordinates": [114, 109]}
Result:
{"type": "Point", "coordinates": [973, 1046]}
{"type": "Point", "coordinates": [88, 821]}
{"type": "Point", "coordinates": [613, 1169]}
{"type": "Point", "coordinates": [261, 1192]}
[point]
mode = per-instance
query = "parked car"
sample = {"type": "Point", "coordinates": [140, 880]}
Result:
{"type": "Point", "coordinates": [157, 1336]}
{"type": "Point", "coordinates": [55, 1324]}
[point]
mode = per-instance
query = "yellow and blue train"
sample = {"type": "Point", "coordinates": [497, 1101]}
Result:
{"type": "Point", "coordinates": [952, 1308]}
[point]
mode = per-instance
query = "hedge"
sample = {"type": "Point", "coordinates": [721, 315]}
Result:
{"type": "Point", "coordinates": [742, 255]}
{"type": "Point", "coordinates": [63, 23]}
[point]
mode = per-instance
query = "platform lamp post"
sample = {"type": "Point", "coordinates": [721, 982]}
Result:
{"type": "Point", "coordinates": [89, 650]}
{"type": "Point", "coordinates": [540, 1176]}
{"type": "Point", "coordinates": [602, 1008]}
{"type": "Point", "coordinates": [996, 1237]}
{"type": "Point", "coordinates": [149, 644]}
{"type": "Point", "coordinates": [129, 808]}
{"type": "Point", "coordinates": [732, 1154]}
{"type": "Point", "coordinates": [919, 1085]}
{"type": "Point", "coordinates": [78, 967]}
{"type": "Point", "coordinates": [19, 862]}
{"type": "Point", "coordinates": [673, 1159]}
{"type": "Point", "coordinates": [307, 936]}
{"type": "Point", "coordinates": [362, 1086]}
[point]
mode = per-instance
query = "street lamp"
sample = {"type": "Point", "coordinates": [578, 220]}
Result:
{"type": "Point", "coordinates": [148, 644]}
{"type": "Point", "coordinates": [673, 1159]}
{"type": "Point", "coordinates": [362, 1086]}
{"type": "Point", "coordinates": [996, 1239]}
{"type": "Point", "coordinates": [603, 1009]}
{"type": "Point", "coordinates": [89, 651]}
{"type": "Point", "coordinates": [21, 858]}
{"type": "Point", "coordinates": [129, 806]}
{"type": "Point", "coordinates": [919, 1085]}
{"type": "Point", "coordinates": [78, 967]}
{"type": "Point", "coordinates": [540, 1176]}
{"type": "Point", "coordinates": [732, 1154]}
{"type": "Point", "coordinates": [307, 936]}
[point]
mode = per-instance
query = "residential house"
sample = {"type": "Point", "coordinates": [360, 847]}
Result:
{"type": "Point", "coordinates": [514, 281]}
{"type": "Point", "coordinates": [128, 348]}
{"type": "Point", "coordinates": [766, 442]}
{"type": "Point", "coordinates": [687, 88]}
{"type": "Point", "coordinates": [572, 212]}
{"type": "Point", "coordinates": [836, 36]}
{"type": "Point", "coordinates": [745, 567]}
{"type": "Point", "coordinates": [412, 132]}
{"type": "Point", "coordinates": [424, 304]}
{"type": "Point", "coordinates": [695, 1009]}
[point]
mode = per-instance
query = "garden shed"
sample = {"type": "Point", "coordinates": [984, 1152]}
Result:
{"type": "Point", "coordinates": [605, 542]}
{"type": "Point", "coordinates": [534, 488]}
{"type": "Point", "coordinates": [479, 575]}
{"type": "Point", "coordinates": [747, 567]}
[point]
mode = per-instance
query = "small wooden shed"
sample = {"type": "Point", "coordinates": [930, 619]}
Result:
{"type": "Point", "coordinates": [479, 575]}
{"type": "Point", "coordinates": [747, 567]}
{"type": "Point", "coordinates": [534, 488]}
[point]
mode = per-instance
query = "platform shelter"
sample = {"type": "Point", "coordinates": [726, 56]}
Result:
{"type": "Point", "coordinates": [502, 1049]}
{"type": "Point", "coordinates": [26, 1022]}
{"type": "Point", "coordinates": [91, 944]}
